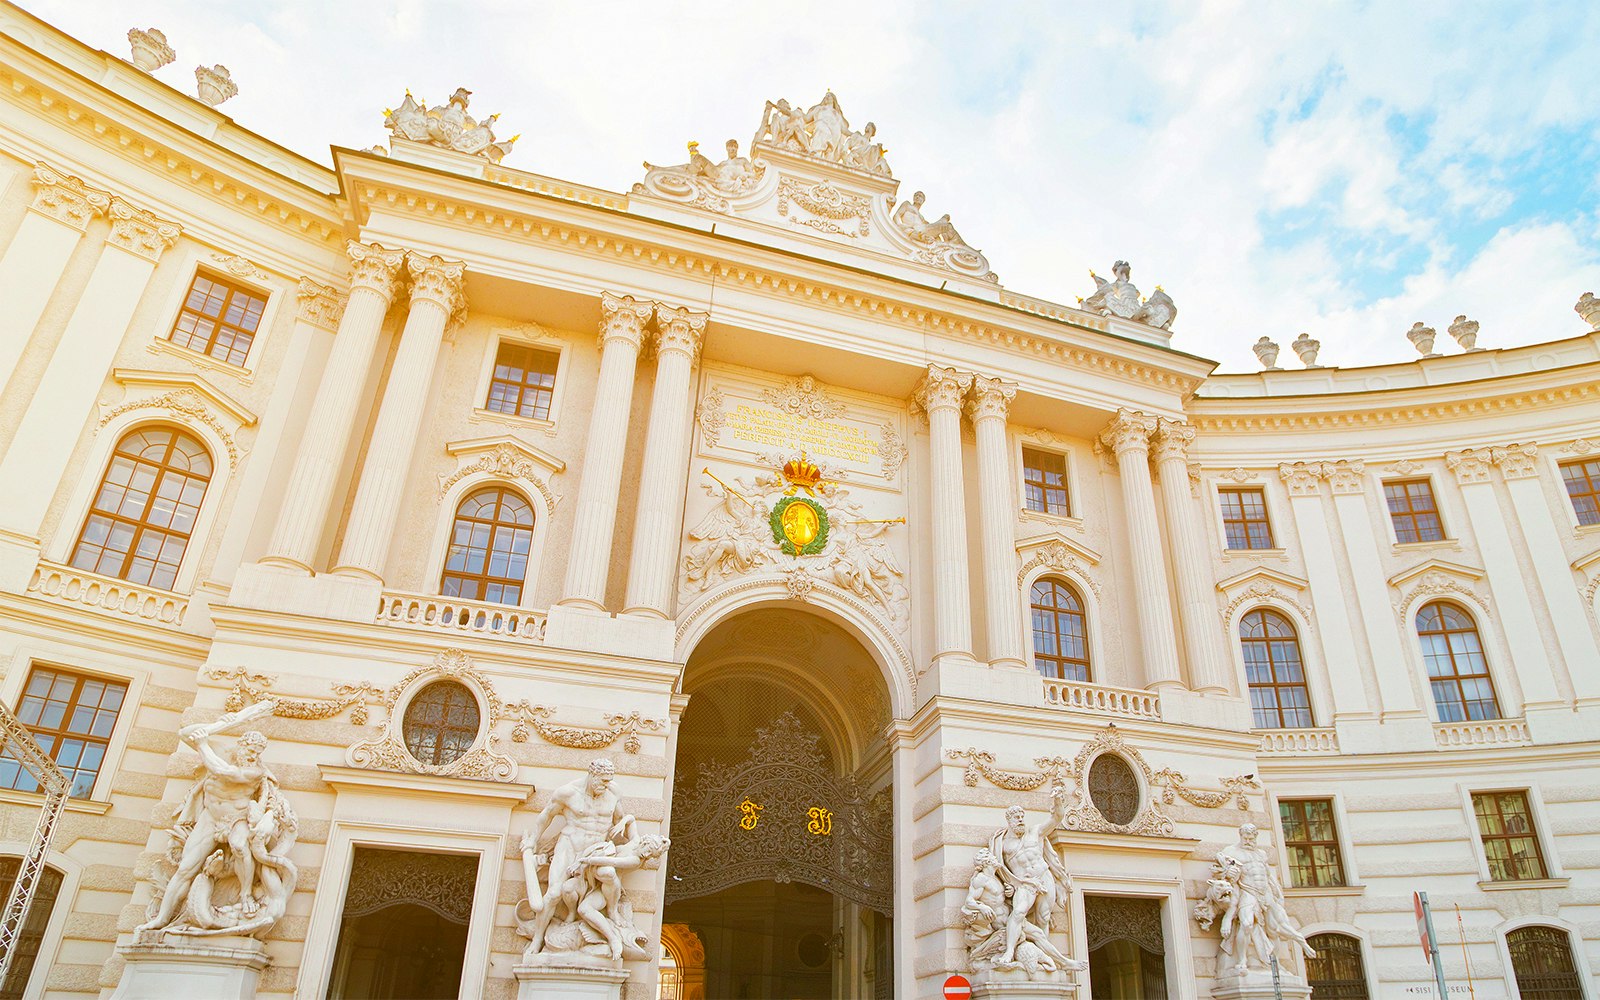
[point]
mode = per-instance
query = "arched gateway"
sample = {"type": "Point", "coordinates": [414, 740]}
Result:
{"type": "Point", "coordinates": [782, 815]}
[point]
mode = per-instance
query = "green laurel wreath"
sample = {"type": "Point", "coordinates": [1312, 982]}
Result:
{"type": "Point", "coordinates": [775, 521]}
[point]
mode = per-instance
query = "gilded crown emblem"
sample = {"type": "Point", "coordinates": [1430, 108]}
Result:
{"type": "Point", "coordinates": [801, 474]}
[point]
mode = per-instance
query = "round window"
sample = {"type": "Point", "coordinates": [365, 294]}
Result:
{"type": "Point", "coordinates": [441, 723]}
{"type": "Point", "coordinates": [1113, 789]}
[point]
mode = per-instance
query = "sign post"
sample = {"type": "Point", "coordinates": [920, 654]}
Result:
{"type": "Point", "coordinates": [1277, 983]}
{"type": "Point", "coordinates": [1430, 943]}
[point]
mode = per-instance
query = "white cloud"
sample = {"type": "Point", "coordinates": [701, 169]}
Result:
{"type": "Point", "coordinates": [1058, 138]}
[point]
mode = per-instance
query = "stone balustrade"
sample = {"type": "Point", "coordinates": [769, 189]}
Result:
{"type": "Point", "coordinates": [454, 614]}
{"type": "Point", "coordinates": [104, 593]}
{"type": "Point", "coordinates": [1102, 699]}
{"type": "Point", "coordinates": [1489, 732]}
{"type": "Point", "coordinates": [1299, 741]}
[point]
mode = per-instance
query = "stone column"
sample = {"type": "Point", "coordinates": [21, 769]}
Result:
{"type": "Point", "coordinates": [1197, 603]}
{"type": "Point", "coordinates": [622, 321]}
{"type": "Point", "coordinates": [997, 515]}
{"type": "Point", "coordinates": [436, 299]}
{"type": "Point", "coordinates": [37, 255]}
{"type": "Point", "coordinates": [1518, 621]}
{"type": "Point", "coordinates": [65, 396]}
{"type": "Point", "coordinates": [309, 496]}
{"type": "Point", "coordinates": [940, 395]}
{"type": "Point", "coordinates": [658, 524]}
{"type": "Point", "coordinates": [1128, 437]}
{"type": "Point", "coordinates": [1397, 687]}
{"type": "Point", "coordinates": [1335, 630]}
{"type": "Point", "coordinates": [1519, 465]}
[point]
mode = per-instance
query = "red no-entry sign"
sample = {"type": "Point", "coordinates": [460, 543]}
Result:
{"type": "Point", "coordinates": [957, 988]}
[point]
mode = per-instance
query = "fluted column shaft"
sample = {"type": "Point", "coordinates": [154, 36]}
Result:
{"type": "Point", "coordinates": [436, 296]}
{"type": "Point", "coordinates": [306, 502]}
{"type": "Point", "coordinates": [589, 559]}
{"type": "Point", "coordinates": [658, 523]}
{"type": "Point", "coordinates": [1197, 606]}
{"type": "Point", "coordinates": [940, 396]}
{"type": "Point", "coordinates": [997, 514]}
{"type": "Point", "coordinates": [1128, 437]}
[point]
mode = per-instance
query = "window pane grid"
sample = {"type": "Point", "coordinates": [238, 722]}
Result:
{"type": "Point", "coordinates": [1413, 511]}
{"type": "Point", "coordinates": [1458, 672]}
{"type": "Point", "coordinates": [1337, 972]}
{"type": "Point", "coordinates": [490, 542]}
{"type": "Point", "coordinates": [31, 935]}
{"type": "Point", "coordinates": [1582, 479]}
{"type": "Point", "coordinates": [1541, 959]}
{"type": "Point", "coordinates": [71, 716]}
{"type": "Point", "coordinates": [1312, 841]}
{"type": "Point", "coordinates": [1044, 482]}
{"type": "Point", "coordinates": [1279, 698]}
{"type": "Point", "coordinates": [219, 319]}
{"type": "Point", "coordinates": [1244, 519]}
{"type": "Point", "coordinates": [139, 526]}
{"type": "Point", "coordinates": [1505, 823]}
{"type": "Point", "coordinates": [523, 382]}
{"type": "Point", "coordinates": [1060, 632]}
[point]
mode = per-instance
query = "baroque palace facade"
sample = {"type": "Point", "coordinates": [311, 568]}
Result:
{"type": "Point", "coordinates": [729, 588]}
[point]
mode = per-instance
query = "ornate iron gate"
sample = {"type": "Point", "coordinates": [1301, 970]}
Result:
{"type": "Point", "coordinates": [781, 814]}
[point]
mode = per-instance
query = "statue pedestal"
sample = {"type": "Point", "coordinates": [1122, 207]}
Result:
{"type": "Point", "coordinates": [1014, 984]}
{"type": "Point", "coordinates": [192, 968]}
{"type": "Point", "coordinates": [1257, 985]}
{"type": "Point", "coordinates": [568, 982]}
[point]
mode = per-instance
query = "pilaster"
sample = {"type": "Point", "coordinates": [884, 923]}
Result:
{"type": "Point", "coordinates": [1197, 605]}
{"type": "Point", "coordinates": [997, 514]}
{"type": "Point", "coordinates": [437, 297]}
{"type": "Point", "coordinates": [939, 395]}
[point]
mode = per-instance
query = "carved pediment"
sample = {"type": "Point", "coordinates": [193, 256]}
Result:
{"type": "Point", "coordinates": [507, 458]}
{"type": "Point", "coordinates": [1438, 578]}
{"type": "Point", "coordinates": [1055, 551]}
{"type": "Point", "coordinates": [810, 176]}
{"type": "Point", "coordinates": [1260, 585]}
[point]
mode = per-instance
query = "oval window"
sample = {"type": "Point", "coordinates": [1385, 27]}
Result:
{"type": "Point", "coordinates": [1113, 789]}
{"type": "Point", "coordinates": [441, 723]}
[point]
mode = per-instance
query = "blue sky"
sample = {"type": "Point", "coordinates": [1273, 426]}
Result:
{"type": "Point", "coordinates": [1339, 169]}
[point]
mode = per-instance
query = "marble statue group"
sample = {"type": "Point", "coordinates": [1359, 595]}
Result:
{"type": "Point", "coordinates": [1247, 897]}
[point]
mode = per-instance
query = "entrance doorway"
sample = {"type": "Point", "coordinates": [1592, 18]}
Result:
{"type": "Point", "coordinates": [782, 823]}
{"type": "Point", "coordinates": [1127, 952]}
{"type": "Point", "coordinates": [403, 935]}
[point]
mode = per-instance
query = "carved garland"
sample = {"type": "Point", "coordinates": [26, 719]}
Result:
{"type": "Point", "coordinates": [1055, 770]}
{"type": "Point", "coordinates": [831, 205]}
{"type": "Point", "coordinates": [626, 727]}
{"type": "Point", "coordinates": [185, 402]}
{"type": "Point", "coordinates": [1236, 788]}
{"type": "Point", "coordinates": [249, 688]}
{"type": "Point", "coordinates": [712, 418]}
{"type": "Point", "coordinates": [892, 451]}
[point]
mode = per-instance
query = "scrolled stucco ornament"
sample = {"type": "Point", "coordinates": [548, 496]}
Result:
{"type": "Point", "coordinates": [700, 182]}
{"type": "Point", "coordinates": [447, 127]}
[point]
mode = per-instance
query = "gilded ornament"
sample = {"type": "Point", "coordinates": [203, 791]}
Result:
{"type": "Point", "coordinates": [799, 525]}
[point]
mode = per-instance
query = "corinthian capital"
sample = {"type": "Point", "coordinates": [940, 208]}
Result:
{"type": "Point", "coordinates": [1471, 465]}
{"type": "Point", "coordinates": [439, 281]}
{"type": "Point", "coordinates": [1172, 440]}
{"type": "Point", "coordinates": [1300, 477]}
{"type": "Point", "coordinates": [66, 199]}
{"type": "Point", "coordinates": [622, 317]}
{"type": "Point", "coordinates": [991, 398]}
{"type": "Point", "coordinates": [140, 232]}
{"type": "Point", "coordinates": [1345, 477]}
{"type": "Point", "coordinates": [679, 329]}
{"type": "Point", "coordinates": [1516, 461]}
{"type": "Point", "coordinates": [1129, 430]}
{"type": "Point", "coordinates": [320, 305]}
{"type": "Point", "coordinates": [374, 267]}
{"type": "Point", "coordinates": [941, 388]}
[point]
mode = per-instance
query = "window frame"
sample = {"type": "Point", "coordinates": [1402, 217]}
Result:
{"type": "Point", "coordinates": [1050, 444]}
{"type": "Point", "coordinates": [1554, 870]}
{"type": "Point", "coordinates": [1438, 511]}
{"type": "Point", "coordinates": [1428, 679]}
{"type": "Point", "coordinates": [531, 337]}
{"type": "Point", "coordinates": [55, 928]}
{"type": "Point", "coordinates": [1066, 481]}
{"type": "Point", "coordinates": [444, 527]}
{"type": "Point", "coordinates": [1337, 843]}
{"type": "Point", "coordinates": [1266, 518]}
{"type": "Point", "coordinates": [1532, 835]}
{"type": "Point", "coordinates": [495, 526]}
{"type": "Point", "coordinates": [1076, 589]}
{"type": "Point", "coordinates": [1572, 500]}
{"type": "Point", "coordinates": [234, 286]}
{"type": "Point", "coordinates": [1580, 956]}
{"type": "Point", "coordinates": [1363, 947]}
{"type": "Point", "coordinates": [193, 260]}
{"type": "Point", "coordinates": [61, 733]}
{"type": "Point", "coordinates": [14, 684]}
{"type": "Point", "coordinates": [1300, 648]}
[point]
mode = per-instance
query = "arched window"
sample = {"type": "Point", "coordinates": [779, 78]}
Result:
{"type": "Point", "coordinates": [489, 543]}
{"type": "Point", "coordinates": [1336, 973]}
{"type": "Point", "coordinates": [1060, 631]}
{"type": "Point", "coordinates": [146, 507]}
{"type": "Point", "coordinates": [1275, 672]}
{"type": "Point", "coordinates": [32, 934]}
{"type": "Point", "coordinates": [1541, 958]}
{"type": "Point", "coordinates": [1457, 669]}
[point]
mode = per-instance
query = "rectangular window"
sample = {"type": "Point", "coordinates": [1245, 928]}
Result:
{"type": "Point", "coordinates": [1044, 482]}
{"type": "Point", "coordinates": [1311, 838]}
{"type": "Point", "coordinates": [524, 381]}
{"type": "Point", "coordinates": [71, 716]}
{"type": "Point", "coordinates": [1244, 519]}
{"type": "Point", "coordinates": [1505, 822]}
{"type": "Point", "coordinates": [1413, 511]}
{"type": "Point", "coordinates": [218, 318]}
{"type": "Point", "coordinates": [1583, 486]}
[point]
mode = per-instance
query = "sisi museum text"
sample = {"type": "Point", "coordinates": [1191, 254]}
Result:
{"type": "Point", "coordinates": [424, 577]}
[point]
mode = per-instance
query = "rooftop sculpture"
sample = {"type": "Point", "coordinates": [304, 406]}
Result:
{"type": "Point", "coordinates": [448, 126]}
{"type": "Point", "coordinates": [1120, 297]}
{"type": "Point", "coordinates": [822, 131]}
